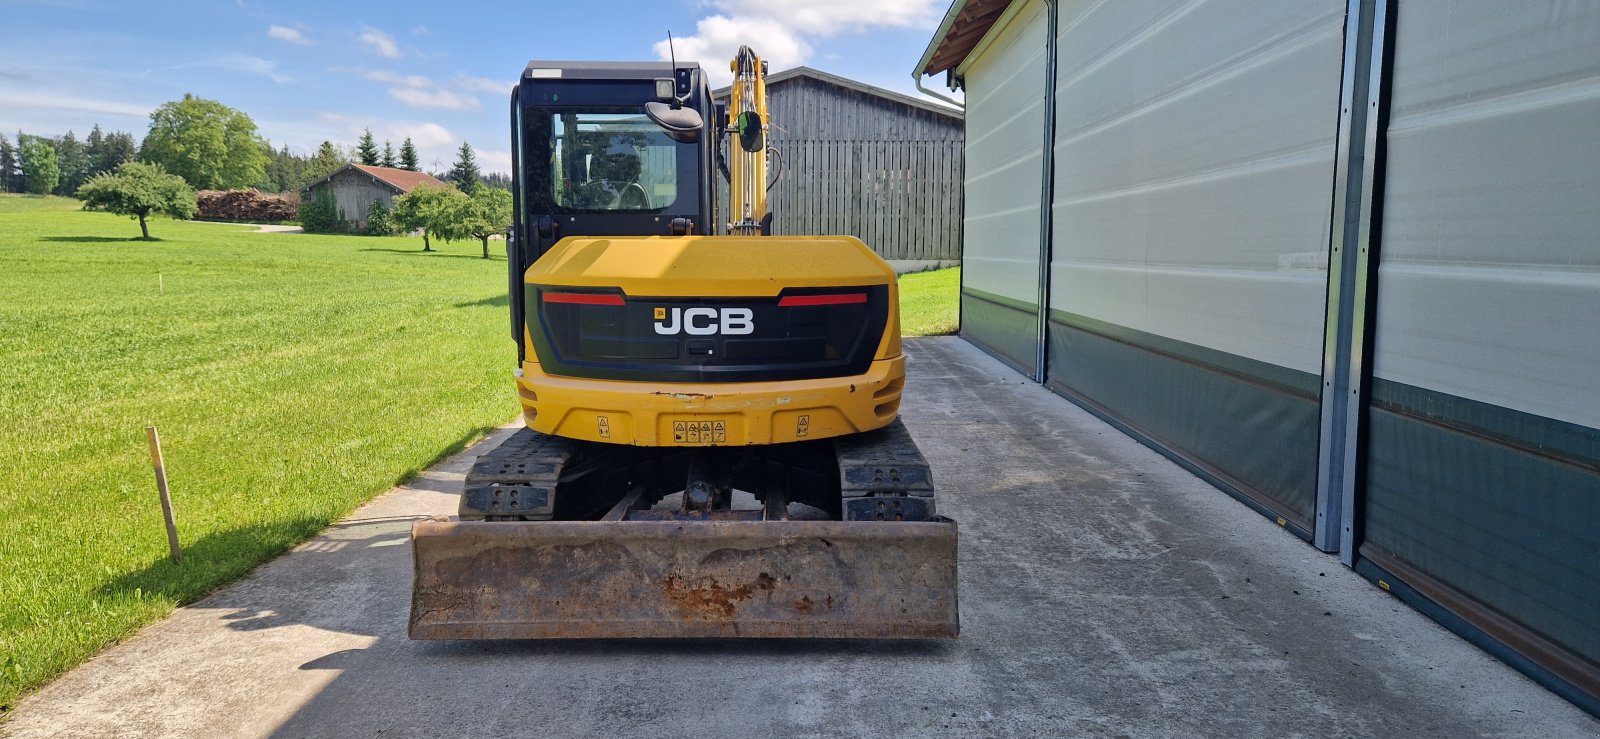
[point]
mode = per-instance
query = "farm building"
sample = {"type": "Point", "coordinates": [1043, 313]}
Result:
{"type": "Point", "coordinates": [355, 187]}
{"type": "Point", "coordinates": [1340, 258]}
{"type": "Point", "coordinates": [863, 161]}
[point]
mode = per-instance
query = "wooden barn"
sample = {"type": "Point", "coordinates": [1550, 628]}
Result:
{"type": "Point", "coordinates": [864, 161]}
{"type": "Point", "coordinates": [355, 187]}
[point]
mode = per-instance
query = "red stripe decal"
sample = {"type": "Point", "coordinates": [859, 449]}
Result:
{"type": "Point", "coordinates": [795, 301]}
{"type": "Point", "coordinates": [583, 298]}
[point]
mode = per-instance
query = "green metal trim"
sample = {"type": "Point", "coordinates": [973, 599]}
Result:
{"type": "Point", "coordinates": [1249, 370]}
{"type": "Point", "coordinates": [1002, 327]}
{"type": "Point", "coordinates": [1559, 441]}
{"type": "Point", "coordinates": [1212, 413]}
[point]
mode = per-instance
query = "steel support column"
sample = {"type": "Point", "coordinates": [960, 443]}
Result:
{"type": "Point", "coordinates": [1357, 208]}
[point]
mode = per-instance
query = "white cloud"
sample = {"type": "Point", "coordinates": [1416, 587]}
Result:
{"type": "Point", "coordinates": [494, 160]}
{"type": "Point", "coordinates": [290, 35]}
{"type": "Point", "coordinates": [779, 31]}
{"type": "Point", "coordinates": [10, 99]}
{"type": "Point", "coordinates": [380, 43]}
{"type": "Point", "coordinates": [829, 17]}
{"type": "Point", "coordinates": [484, 85]}
{"type": "Point", "coordinates": [419, 91]}
{"type": "Point", "coordinates": [253, 65]}
{"type": "Point", "coordinates": [434, 97]}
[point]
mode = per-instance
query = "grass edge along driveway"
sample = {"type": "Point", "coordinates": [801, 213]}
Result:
{"type": "Point", "coordinates": [293, 377]}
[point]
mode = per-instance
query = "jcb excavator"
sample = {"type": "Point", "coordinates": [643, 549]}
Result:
{"type": "Point", "coordinates": [712, 446]}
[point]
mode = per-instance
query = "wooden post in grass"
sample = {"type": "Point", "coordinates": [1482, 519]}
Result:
{"type": "Point", "coordinates": [166, 497]}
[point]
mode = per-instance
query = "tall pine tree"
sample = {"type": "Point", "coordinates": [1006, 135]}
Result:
{"type": "Point", "coordinates": [72, 160]}
{"type": "Point", "coordinates": [465, 172]}
{"type": "Point", "coordinates": [367, 150]}
{"type": "Point", "coordinates": [408, 155]}
{"type": "Point", "coordinates": [388, 154]}
{"type": "Point", "coordinates": [8, 163]}
{"type": "Point", "coordinates": [326, 161]}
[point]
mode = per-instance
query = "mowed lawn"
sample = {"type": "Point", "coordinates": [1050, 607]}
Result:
{"type": "Point", "coordinates": [292, 377]}
{"type": "Point", "coordinates": [930, 302]}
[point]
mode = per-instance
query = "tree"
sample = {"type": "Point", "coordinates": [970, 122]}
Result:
{"type": "Point", "coordinates": [388, 154]}
{"type": "Point", "coordinates": [208, 144]}
{"type": "Point", "coordinates": [40, 170]}
{"type": "Point", "coordinates": [436, 211]}
{"type": "Point", "coordinates": [464, 173]}
{"type": "Point", "coordinates": [286, 171]}
{"type": "Point", "coordinates": [321, 215]}
{"type": "Point", "coordinates": [8, 163]}
{"type": "Point", "coordinates": [115, 148]}
{"type": "Point", "coordinates": [367, 150]}
{"type": "Point", "coordinates": [379, 220]}
{"type": "Point", "coordinates": [139, 190]}
{"type": "Point", "coordinates": [487, 212]}
{"type": "Point", "coordinates": [326, 161]}
{"type": "Point", "coordinates": [73, 161]}
{"type": "Point", "coordinates": [408, 155]}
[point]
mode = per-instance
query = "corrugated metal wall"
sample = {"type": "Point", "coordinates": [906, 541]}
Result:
{"type": "Point", "coordinates": [1439, 389]}
{"type": "Point", "coordinates": [1005, 138]}
{"type": "Point", "coordinates": [1483, 464]}
{"type": "Point", "coordinates": [1193, 159]}
{"type": "Point", "coordinates": [856, 163]}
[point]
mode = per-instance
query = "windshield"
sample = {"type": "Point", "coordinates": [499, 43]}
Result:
{"type": "Point", "coordinates": [611, 162]}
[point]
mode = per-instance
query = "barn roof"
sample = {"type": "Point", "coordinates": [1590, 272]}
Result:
{"type": "Point", "coordinates": [967, 22]}
{"type": "Point", "coordinates": [402, 180]}
{"type": "Point", "coordinates": [778, 78]}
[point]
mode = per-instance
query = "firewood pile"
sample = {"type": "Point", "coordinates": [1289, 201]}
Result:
{"type": "Point", "coordinates": [246, 205]}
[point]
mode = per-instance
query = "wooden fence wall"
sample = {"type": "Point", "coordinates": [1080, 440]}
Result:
{"type": "Point", "coordinates": [903, 198]}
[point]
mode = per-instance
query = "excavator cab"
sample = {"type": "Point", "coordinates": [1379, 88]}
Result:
{"type": "Point", "coordinates": [713, 446]}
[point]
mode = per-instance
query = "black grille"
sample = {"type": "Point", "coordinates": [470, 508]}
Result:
{"type": "Point", "coordinates": [800, 334]}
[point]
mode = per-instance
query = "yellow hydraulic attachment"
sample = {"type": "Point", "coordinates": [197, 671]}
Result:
{"type": "Point", "coordinates": [747, 117]}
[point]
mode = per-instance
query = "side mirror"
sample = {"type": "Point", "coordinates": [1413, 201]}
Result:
{"type": "Point", "coordinates": [750, 134]}
{"type": "Point", "coordinates": [681, 124]}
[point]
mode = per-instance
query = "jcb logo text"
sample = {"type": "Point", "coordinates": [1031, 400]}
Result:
{"type": "Point", "coordinates": [704, 321]}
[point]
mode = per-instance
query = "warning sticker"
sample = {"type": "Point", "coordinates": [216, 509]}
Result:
{"type": "Point", "coordinates": [700, 432]}
{"type": "Point", "coordinates": [605, 427]}
{"type": "Point", "coordinates": [802, 426]}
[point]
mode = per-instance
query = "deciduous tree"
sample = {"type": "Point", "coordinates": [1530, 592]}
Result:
{"type": "Point", "coordinates": [40, 170]}
{"type": "Point", "coordinates": [139, 190]}
{"type": "Point", "coordinates": [487, 212]}
{"type": "Point", "coordinates": [436, 211]}
{"type": "Point", "coordinates": [208, 144]}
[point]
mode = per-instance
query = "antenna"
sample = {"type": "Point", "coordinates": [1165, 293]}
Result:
{"type": "Point", "coordinates": [677, 100]}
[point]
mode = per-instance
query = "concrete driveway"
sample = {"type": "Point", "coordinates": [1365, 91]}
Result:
{"type": "Point", "coordinates": [1105, 591]}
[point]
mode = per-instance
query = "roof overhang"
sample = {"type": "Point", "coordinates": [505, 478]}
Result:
{"type": "Point", "coordinates": [966, 23]}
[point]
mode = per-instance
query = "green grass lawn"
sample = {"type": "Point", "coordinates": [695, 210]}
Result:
{"type": "Point", "coordinates": [930, 302]}
{"type": "Point", "coordinates": [292, 377]}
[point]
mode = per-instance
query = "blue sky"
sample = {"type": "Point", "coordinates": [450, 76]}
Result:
{"type": "Point", "coordinates": [439, 72]}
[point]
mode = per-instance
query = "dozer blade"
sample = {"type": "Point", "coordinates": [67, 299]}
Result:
{"type": "Point", "coordinates": [673, 579]}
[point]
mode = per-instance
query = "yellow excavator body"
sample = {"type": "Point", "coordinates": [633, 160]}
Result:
{"type": "Point", "coordinates": [713, 447]}
{"type": "Point", "coordinates": [693, 414]}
